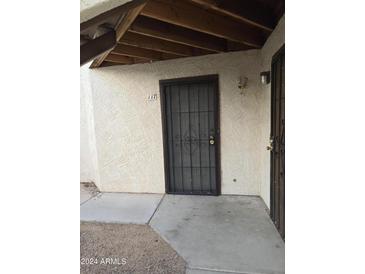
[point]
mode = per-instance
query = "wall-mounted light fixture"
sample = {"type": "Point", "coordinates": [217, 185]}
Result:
{"type": "Point", "coordinates": [265, 77]}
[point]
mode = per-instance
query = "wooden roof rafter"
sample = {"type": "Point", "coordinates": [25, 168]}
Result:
{"type": "Point", "coordinates": [149, 42]}
{"type": "Point", "coordinates": [120, 29]}
{"type": "Point", "coordinates": [154, 30]}
{"type": "Point", "coordinates": [183, 14]}
{"type": "Point", "coordinates": [149, 54]}
{"type": "Point", "coordinates": [126, 60]}
{"type": "Point", "coordinates": [246, 11]}
{"type": "Point", "coordinates": [161, 30]}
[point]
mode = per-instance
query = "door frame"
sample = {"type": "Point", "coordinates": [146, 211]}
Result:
{"type": "Point", "coordinates": [213, 78]}
{"type": "Point", "coordinates": [274, 58]}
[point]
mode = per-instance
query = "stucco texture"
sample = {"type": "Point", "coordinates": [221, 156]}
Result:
{"type": "Point", "coordinates": [128, 131]}
{"type": "Point", "coordinates": [88, 155]}
{"type": "Point", "coordinates": [92, 8]}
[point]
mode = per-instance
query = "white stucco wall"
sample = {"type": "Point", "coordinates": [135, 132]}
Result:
{"type": "Point", "coordinates": [88, 154]}
{"type": "Point", "coordinates": [272, 45]}
{"type": "Point", "coordinates": [128, 150]}
{"type": "Point", "coordinates": [92, 8]}
{"type": "Point", "coordinates": [129, 132]}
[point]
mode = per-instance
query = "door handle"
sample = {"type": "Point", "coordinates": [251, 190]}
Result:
{"type": "Point", "coordinates": [211, 140]}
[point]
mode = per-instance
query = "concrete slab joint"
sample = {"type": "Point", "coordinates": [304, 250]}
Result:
{"type": "Point", "coordinates": [224, 234]}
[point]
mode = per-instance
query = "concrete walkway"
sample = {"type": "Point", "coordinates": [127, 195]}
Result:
{"type": "Point", "coordinates": [224, 234]}
{"type": "Point", "coordinates": [121, 208]}
{"type": "Point", "coordinates": [221, 234]}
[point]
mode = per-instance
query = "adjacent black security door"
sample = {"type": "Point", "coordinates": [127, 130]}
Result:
{"type": "Point", "coordinates": [277, 147]}
{"type": "Point", "coordinates": [191, 135]}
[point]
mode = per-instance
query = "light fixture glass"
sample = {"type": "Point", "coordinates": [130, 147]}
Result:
{"type": "Point", "coordinates": [265, 77]}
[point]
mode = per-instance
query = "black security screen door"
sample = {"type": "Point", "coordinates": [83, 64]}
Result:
{"type": "Point", "coordinates": [277, 207]}
{"type": "Point", "coordinates": [191, 135]}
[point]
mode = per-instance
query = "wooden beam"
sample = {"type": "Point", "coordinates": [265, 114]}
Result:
{"type": "Point", "coordinates": [199, 19]}
{"type": "Point", "coordinates": [93, 48]}
{"type": "Point", "coordinates": [120, 30]}
{"type": "Point", "coordinates": [109, 64]}
{"type": "Point", "coordinates": [133, 51]}
{"type": "Point", "coordinates": [147, 42]}
{"type": "Point", "coordinates": [115, 58]}
{"type": "Point", "coordinates": [246, 11]}
{"type": "Point", "coordinates": [154, 28]}
{"type": "Point", "coordinates": [121, 59]}
{"type": "Point", "coordinates": [234, 46]}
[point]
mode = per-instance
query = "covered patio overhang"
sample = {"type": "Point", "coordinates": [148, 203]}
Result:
{"type": "Point", "coordinates": [206, 58]}
{"type": "Point", "coordinates": [145, 31]}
